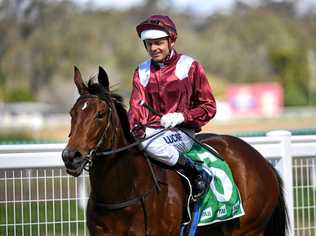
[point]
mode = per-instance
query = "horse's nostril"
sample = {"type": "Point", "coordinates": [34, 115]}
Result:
{"type": "Point", "coordinates": [77, 154]}
{"type": "Point", "coordinates": [69, 155]}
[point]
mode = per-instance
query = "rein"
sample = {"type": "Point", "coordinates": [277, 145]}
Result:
{"type": "Point", "coordinates": [121, 149]}
{"type": "Point", "coordinates": [109, 152]}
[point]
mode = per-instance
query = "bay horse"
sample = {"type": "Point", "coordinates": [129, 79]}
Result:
{"type": "Point", "coordinates": [126, 199]}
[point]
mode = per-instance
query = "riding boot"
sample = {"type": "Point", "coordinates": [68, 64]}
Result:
{"type": "Point", "coordinates": [198, 177]}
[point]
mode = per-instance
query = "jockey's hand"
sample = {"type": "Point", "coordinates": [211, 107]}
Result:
{"type": "Point", "coordinates": [171, 120]}
{"type": "Point", "coordinates": [138, 132]}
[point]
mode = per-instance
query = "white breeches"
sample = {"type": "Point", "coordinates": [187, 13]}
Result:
{"type": "Point", "coordinates": [167, 146]}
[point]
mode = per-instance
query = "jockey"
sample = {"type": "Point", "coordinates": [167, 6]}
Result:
{"type": "Point", "coordinates": [176, 86]}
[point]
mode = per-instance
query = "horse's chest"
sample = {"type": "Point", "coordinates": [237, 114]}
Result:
{"type": "Point", "coordinates": [128, 221]}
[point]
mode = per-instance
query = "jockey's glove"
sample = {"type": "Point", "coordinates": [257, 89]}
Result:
{"type": "Point", "coordinates": [171, 120]}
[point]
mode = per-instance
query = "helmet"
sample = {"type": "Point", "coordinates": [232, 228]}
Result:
{"type": "Point", "coordinates": [157, 26]}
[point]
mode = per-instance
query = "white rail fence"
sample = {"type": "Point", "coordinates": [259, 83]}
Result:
{"type": "Point", "coordinates": [37, 197]}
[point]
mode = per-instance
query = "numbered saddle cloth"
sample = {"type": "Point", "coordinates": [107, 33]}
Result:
{"type": "Point", "coordinates": [222, 202]}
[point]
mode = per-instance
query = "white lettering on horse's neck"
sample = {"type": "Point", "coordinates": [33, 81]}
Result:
{"type": "Point", "coordinates": [84, 106]}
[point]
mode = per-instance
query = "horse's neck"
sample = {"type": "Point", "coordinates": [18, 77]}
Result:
{"type": "Point", "coordinates": [117, 134]}
{"type": "Point", "coordinates": [118, 177]}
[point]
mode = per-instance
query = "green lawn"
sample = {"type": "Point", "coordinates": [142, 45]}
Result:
{"type": "Point", "coordinates": [304, 211]}
{"type": "Point", "coordinates": [50, 218]}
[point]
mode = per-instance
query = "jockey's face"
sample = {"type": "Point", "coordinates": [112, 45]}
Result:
{"type": "Point", "coordinates": [158, 49]}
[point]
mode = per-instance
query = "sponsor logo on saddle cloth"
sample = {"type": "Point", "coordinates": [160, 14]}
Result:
{"type": "Point", "coordinates": [222, 202]}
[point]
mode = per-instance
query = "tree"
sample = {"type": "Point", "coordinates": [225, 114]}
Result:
{"type": "Point", "coordinates": [292, 68]}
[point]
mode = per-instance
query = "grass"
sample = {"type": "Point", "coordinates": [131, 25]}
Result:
{"type": "Point", "coordinates": [42, 218]}
{"type": "Point", "coordinates": [304, 210]}
{"type": "Point", "coordinates": [40, 202]}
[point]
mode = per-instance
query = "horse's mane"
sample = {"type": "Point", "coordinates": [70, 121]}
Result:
{"type": "Point", "coordinates": [99, 90]}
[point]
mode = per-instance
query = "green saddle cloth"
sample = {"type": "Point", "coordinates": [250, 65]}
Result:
{"type": "Point", "coordinates": [222, 202]}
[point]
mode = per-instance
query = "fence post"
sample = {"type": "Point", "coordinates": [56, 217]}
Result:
{"type": "Point", "coordinates": [83, 195]}
{"type": "Point", "coordinates": [284, 166]}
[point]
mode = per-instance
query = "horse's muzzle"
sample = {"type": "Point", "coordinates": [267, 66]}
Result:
{"type": "Point", "coordinates": [74, 162]}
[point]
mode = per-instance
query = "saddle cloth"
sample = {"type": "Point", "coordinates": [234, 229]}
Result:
{"type": "Point", "coordinates": [222, 202]}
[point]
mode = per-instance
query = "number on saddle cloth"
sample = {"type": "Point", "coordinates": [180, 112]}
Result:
{"type": "Point", "coordinates": [222, 202]}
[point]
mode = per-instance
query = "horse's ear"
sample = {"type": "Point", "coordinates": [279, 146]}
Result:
{"type": "Point", "coordinates": [82, 88]}
{"type": "Point", "coordinates": [103, 78]}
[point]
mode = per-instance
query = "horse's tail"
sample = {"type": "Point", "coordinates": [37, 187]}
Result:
{"type": "Point", "coordinates": [279, 221]}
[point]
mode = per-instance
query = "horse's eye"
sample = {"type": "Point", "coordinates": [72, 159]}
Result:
{"type": "Point", "coordinates": [100, 115]}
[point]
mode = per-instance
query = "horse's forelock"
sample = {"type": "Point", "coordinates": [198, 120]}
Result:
{"type": "Point", "coordinates": [96, 88]}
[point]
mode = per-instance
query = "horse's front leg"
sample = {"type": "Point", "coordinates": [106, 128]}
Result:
{"type": "Point", "coordinates": [122, 222]}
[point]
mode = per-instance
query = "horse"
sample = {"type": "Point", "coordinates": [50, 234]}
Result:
{"type": "Point", "coordinates": [132, 195]}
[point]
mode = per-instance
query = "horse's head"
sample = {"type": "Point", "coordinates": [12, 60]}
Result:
{"type": "Point", "coordinates": [93, 122]}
